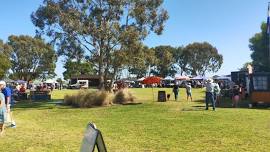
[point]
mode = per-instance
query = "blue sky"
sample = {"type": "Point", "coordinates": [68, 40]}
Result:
{"type": "Point", "coordinates": [226, 24]}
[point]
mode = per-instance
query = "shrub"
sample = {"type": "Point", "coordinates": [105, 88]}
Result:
{"type": "Point", "coordinates": [123, 97]}
{"type": "Point", "coordinates": [88, 99]}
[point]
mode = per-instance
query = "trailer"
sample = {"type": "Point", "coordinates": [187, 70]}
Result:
{"type": "Point", "coordinates": [260, 87]}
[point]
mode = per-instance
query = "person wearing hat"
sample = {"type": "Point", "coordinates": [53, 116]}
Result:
{"type": "Point", "coordinates": [7, 93]}
{"type": "Point", "coordinates": [209, 95]}
{"type": "Point", "coordinates": [188, 91]}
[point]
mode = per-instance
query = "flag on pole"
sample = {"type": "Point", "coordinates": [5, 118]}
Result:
{"type": "Point", "coordinates": [268, 30]}
{"type": "Point", "coordinates": [268, 19]}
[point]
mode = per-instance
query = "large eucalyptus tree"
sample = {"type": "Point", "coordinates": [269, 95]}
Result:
{"type": "Point", "coordinates": [100, 27]}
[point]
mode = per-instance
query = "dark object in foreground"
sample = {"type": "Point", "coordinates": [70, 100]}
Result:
{"type": "Point", "coordinates": [93, 138]}
{"type": "Point", "coordinates": [40, 95]}
{"type": "Point", "coordinates": [161, 96]}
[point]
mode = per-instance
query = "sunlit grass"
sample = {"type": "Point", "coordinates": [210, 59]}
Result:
{"type": "Point", "coordinates": [150, 126]}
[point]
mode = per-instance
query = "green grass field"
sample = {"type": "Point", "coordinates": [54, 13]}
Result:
{"type": "Point", "coordinates": [150, 126]}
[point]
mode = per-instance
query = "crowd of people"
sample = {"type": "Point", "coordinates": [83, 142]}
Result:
{"type": "Point", "coordinates": [213, 93]}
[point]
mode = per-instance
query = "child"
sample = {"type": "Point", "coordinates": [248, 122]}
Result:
{"type": "Point", "coordinates": [2, 113]}
{"type": "Point", "coordinates": [188, 91]}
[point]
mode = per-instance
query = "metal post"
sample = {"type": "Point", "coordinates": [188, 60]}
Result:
{"type": "Point", "coordinates": [268, 31]}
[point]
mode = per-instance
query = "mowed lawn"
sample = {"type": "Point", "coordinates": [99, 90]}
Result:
{"type": "Point", "coordinates": [150, 126]}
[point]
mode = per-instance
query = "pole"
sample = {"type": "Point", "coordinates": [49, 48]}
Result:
{"type": "Point", "coordinates": [269, 48]}
{"type": "Point", "coordinates": [268, 31]}
{"type": "Point", "coordinates": [153, 93]}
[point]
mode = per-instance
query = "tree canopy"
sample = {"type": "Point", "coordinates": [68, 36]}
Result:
{"type": "Point", "coordinates": [259, 45]}
{"type": "Point", "coordinates": [141, 62]}
{"type": "Point", "coordinates": [164, 61]}
{"type": "Point", "coordinates": [181, 60]}
{"type": "Point", "coordinates": [202, 58]}
{"type": "Point", "coordinates": [31, 58]}
{"type": "Point", "coordinates": [99, 27]}
{"type": "Point", "coordinates": [75, 68]}
{"type": "Point", "coordinates": [4, 56]}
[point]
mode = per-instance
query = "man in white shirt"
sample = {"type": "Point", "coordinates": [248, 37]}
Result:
{"type": "Point", "coordinates": [209, 95]}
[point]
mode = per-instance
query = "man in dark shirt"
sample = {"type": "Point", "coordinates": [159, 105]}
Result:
{"type": "Point", "coordinates": [175, 91]}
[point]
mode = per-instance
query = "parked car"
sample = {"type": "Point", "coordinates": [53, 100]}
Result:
{"type": "Point", "coordinates": [75, 86]}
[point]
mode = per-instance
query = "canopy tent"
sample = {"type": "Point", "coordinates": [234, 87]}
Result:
{"type": "Point", "coordinates": [169, 78]}
{"type": "Point", "coordinates": [37, 82]}
{"type": "Point", "coordinates": [152, 80]}
{"type": "Point", "coordinates": [8, 80]}
{"type": "Point", "coordinates": [199, 77]}
{"type": "Point", "coordinates": [20, 81]}
{"type": "Point", "coordinates": [50, 81]}
{"type": "Point", "coordinates": [141, 79]}
{"type": "Point", "coordinates": [182, 78]}
{"type": "Point", "coordinates": [222, 78]}
{"type": "Point", "coordinates": [127, 80]}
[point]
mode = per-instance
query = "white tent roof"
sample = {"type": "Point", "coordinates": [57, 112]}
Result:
{"type": "Point", "coordinates": [182, 78]}
{"type": "Point", "coordinates": [141, 79]}
{"type": "Point", "coordinates": [168, 78]}
{"type": "Point", "coordinates": [223, 78]}
{"type": "Point", "coordinates": [199, 78]}
{"type": "Point", "coordinates": [50, 81]}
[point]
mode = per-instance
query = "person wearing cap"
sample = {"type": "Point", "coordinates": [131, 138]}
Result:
{"type": "Point", "coordinates": [188, 91]}
{"type": "Point", "coordinates": [7, 93]}
{"type": "Point", "coordinates": [209, 96]}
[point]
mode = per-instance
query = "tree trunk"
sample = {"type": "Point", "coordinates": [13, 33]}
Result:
{"type": "Point", "coordinates": [113, 79]}
{"type": "Point", "coordinates": [101, 72]}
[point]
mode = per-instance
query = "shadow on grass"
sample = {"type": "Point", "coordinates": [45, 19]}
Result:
{"type": "Point", "coordinates": [55, 103]}
{"type": "Point", "coordinates": [38, 105]}
{"type": "Point", "coordinates": [137, 103]}
{"type": "Point", "coordinates": [227, 103]}
{"type": "Point", "coordinates": [194, 109]}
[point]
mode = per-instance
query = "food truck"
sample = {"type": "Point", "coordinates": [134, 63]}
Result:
{"type": "Point", "coordinates": [260, 87]}
{"type": "Point", "coordinates": [257, 85]}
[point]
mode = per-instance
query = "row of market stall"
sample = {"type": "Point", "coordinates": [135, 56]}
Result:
{"type": "Point", "coordinates": [31, 84]}
{"type": "Point", "coordinates": [197, 81]}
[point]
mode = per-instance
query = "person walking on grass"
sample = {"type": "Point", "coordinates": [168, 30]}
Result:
{"type": "Point", "coordinates": [209, 95]}
{"type": "Point", "coordinates": [7, 94]}
{"type": "Point", "coordinates": [175, 91]}
{"type": "Point", "coordinates": [236, 96]}
{"type": "Point", "coordinates": [217, 94]}
{"type": "Point", "coordinates": [188, 91]}
{"type": "Point", "coordinates": [2, 113]}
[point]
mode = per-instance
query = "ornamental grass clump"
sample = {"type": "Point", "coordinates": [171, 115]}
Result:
{"type": "Point", "coordinates": [88, 99]}
{"type": "Point", "coordinates": [124, 97]}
